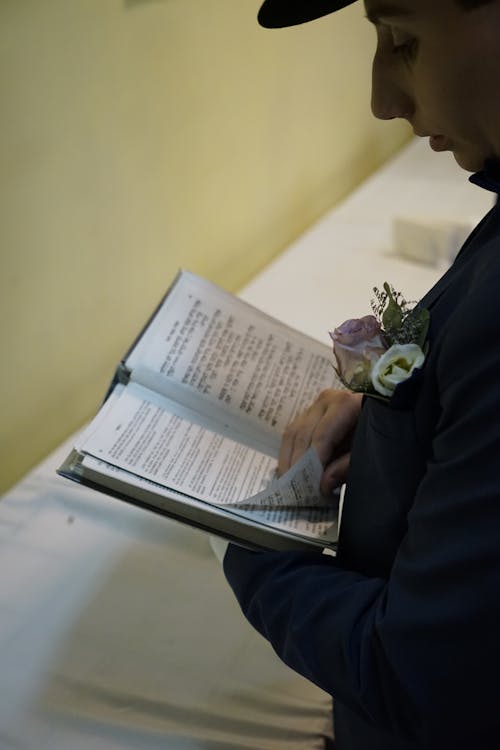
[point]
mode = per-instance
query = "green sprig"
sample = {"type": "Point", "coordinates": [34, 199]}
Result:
{"type": "Point", "coordinates": [400, 323]}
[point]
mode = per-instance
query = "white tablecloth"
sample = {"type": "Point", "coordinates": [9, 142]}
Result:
{"type": "Point", "coordinates": [117, 629]}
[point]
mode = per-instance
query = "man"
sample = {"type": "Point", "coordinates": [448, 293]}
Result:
{"type": "Point", "coordinates": [402, 628]}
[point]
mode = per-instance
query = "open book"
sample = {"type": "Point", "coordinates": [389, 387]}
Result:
{"type": "Point", "coordinates": [192, 423]}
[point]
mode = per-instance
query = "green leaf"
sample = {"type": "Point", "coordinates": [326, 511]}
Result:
{"type": "Point", "coordinates": [421, 320]}
{"type": "Point", "coordinates": [392, 316]}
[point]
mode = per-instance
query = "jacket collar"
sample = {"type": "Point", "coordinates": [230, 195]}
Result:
{"type": "Point", "coordinates": [489, 177]}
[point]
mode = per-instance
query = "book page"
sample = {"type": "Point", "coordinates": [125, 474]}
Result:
{"type": "Point", "coordinates": [320, 524]}
{"type": "Point", "coordinates": [299, 487]}
{"type": "Point", "coordinates": [145, 434]}
{"type": "Point", "coordinates": [214, 345]}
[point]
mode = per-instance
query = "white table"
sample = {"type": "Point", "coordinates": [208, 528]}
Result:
{"type": "Point", "coordinates": [117, 629]}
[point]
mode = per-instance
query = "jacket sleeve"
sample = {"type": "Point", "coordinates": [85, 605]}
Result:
{"type": "Point", "coordinates": [417, 654]}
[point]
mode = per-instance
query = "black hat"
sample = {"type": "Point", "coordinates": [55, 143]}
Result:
{"type": "Point", "coordinates": [275, 14]}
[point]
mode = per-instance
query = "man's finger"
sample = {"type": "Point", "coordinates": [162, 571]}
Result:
{"type": "Point", "coordinates": [335, 474]}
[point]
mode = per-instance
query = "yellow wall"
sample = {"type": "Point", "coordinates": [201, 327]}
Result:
{"type": "Point", "coordinates": [137, 137]}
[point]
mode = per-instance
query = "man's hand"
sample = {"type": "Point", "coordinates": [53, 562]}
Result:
{"type": "Point", "coordinates": [328, 424]}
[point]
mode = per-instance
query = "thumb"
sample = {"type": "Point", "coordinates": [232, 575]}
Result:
{"type": "Point", "coordinates": [335, 474]}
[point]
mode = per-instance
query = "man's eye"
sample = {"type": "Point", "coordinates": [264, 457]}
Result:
{"type": "Point", "coordinates": [405, 47]}
{"type": "Point", "coordinates": [397, 42]}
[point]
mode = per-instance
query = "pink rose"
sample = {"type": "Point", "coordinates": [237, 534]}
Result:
{"type": "Point", "coordinates": [357, 344]}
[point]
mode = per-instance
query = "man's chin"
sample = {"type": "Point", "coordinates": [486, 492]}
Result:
{"type": "Point", "coordinates": [468, 162]}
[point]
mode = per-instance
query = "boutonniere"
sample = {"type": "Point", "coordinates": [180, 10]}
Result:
{"type": "Point", "coordinates": [376, 353]}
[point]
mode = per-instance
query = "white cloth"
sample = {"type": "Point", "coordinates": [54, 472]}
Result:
{"type": "Point", "coordinates": [117, 629]}
{"type": "Point", "coordinates": [219, 547]}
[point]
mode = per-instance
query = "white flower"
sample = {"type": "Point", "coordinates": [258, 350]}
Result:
{"type": "Point", "coordinates": [394, 366]}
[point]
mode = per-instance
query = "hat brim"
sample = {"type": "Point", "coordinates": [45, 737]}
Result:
{"type": "Point", "coordinates": [276, 14]}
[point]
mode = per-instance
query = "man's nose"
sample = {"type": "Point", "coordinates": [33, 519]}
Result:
{"type": "Point", "coordinates": [389, 99]}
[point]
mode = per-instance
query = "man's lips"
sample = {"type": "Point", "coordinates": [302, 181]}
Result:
{"type": "Point", "coordinates": [439, 143]}
{"type": "Point", "coordinates": [436, 142]}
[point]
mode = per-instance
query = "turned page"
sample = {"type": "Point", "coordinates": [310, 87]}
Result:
{"type": "Point", "coordinates": [151, 437]}
{"type": "Point", "coordinates": [214, 352]}
{"type": "Point", "coordinates": [312, 522]}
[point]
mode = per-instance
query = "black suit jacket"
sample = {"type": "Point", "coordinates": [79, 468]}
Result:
{"type": "Point", "coordinates": [403, 627]}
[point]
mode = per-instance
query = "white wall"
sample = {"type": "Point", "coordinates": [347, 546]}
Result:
{"type": "Point", "coordinates": [137, 137]}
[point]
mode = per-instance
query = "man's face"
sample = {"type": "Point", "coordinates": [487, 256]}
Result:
{"type": "Point", "coordinates": [438, 67]}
